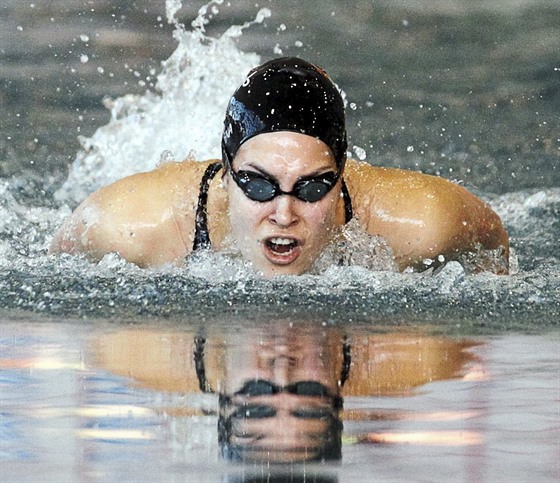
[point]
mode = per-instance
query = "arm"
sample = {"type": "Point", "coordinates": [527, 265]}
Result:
{"type": "Point", "coordinates": [147, 218]}
{"type": "Point", "coordinates": [423, 217]}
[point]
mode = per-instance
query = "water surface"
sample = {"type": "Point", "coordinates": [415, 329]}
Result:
{"type": "Point", "coordinates": [123, 401]}
{"type": "Point", "coordinates": [452, 375]}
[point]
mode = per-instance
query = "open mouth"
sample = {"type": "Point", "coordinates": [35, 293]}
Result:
{"type": "Point", "coordinates": [282, 250]}
{"type": "Point", "coordinates": [281, 246]}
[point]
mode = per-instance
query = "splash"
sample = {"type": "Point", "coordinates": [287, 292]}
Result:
{"type": "Point", "coordinates": [185, 112]}
{"type": "Point", "coordinates": [182, 117]}
{"type": "Point", "coordinates": [354, 247]}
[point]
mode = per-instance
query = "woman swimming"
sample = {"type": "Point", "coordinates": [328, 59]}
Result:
{"type": "Point", "coordinates": [286, 187]}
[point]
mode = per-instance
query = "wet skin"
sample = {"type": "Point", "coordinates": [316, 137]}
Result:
{"type": "Point", "coordinates": [148, 218]}
{"type": "Point", "coordinates": [284, 235]}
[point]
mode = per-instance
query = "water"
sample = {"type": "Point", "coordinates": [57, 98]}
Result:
{"type": "Point", "coordinates": [122, 401]}
{"type": "Point", "coordinates": [468, 92]}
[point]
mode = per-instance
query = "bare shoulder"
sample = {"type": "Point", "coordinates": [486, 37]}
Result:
{"type": "Point", "coordinates": [147, 218]}
{"type": "Point", "coordinates": [422, 216]}
{"type": "Point", "coordinates": [420, 359]}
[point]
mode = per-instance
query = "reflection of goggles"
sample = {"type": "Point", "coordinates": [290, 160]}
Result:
{"type": "Point", "coordinates": [261, 387]}
{"type": "Point", "coordinates": [262, 188]}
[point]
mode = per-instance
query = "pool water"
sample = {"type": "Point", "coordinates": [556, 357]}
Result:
{"type": "Point", "coordinates": [449, 375]}
{"type": "Point", "coordinates": [108, 401]}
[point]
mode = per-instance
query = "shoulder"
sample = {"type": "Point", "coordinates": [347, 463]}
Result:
{"type": "Point", "coordinates": [394, 183]}
{"type": "Point", "coordinates": [171, 176]}
{"type": "Point", "coordinates": [421, 216]}
{"type": "Point", "coordinates": [403, 362]}
{"type": "Point", "coordinates": [382, 194]}
{"type": "Point", "coordinates": [149, 199]}
{"type": "Point", "coordinates": [147, 218]}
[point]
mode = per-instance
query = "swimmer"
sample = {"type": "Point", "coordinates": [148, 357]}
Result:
{"type": "Point", "coordinates": [284, 190]}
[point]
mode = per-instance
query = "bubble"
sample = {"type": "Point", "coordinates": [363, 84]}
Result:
{"type": "Point", "coordinates": [166, 157]}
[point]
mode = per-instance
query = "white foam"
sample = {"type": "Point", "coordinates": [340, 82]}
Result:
{"type": "Point", "coordinates": [184, 115]}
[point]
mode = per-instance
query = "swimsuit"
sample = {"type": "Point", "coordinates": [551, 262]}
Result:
{"type": "Point", "coordinates": [201, 234]}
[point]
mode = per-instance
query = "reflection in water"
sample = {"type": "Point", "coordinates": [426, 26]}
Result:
{"type": "Point", "coordinates": [281, 387]}
{"type": "Point", "coordinates": [124, 403]}
{"type": "Point", "coordinates": [280, 400]}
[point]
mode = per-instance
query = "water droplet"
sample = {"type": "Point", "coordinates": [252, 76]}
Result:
{"type": "Point", "coordinates": [359, 152]}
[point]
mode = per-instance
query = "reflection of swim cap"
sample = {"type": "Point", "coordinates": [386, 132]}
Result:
{"type": "Point", "coordinates": [287, 94]}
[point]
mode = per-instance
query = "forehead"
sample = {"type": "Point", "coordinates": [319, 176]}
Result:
{"type": "Point", "coordinates": [285, 147]}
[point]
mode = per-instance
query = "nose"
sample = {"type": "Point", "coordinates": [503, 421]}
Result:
{"type": "Point", "coordinates": [284, 213]}
{"type": "Point", "coordinates": [282, 366]}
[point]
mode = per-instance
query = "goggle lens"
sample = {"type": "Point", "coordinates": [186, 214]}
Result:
{"type": "Point", "coordinates": [260, 188]}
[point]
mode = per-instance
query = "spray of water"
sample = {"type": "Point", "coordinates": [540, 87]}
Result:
{"type": "Point", "coordinates": [182, 117]}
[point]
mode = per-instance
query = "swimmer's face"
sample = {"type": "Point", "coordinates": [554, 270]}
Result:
{"type": "Point", "coordinates": [285, 235]}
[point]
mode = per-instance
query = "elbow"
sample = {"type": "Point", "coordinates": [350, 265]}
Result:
{"type": "Point", "coordinates": [79, 234]}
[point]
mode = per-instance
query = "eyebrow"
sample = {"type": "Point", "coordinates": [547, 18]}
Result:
{"type": "Point", "coordinates": [300, 412]}
{"type": "Point", "coordinates": [316, 173]}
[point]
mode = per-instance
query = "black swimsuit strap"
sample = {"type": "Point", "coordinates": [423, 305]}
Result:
{"type": "Point", "coordinates": [201, 234]}
{"type": "Point", "coordinates": [348, 213]}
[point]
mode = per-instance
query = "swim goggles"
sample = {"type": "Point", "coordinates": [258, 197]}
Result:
{"type": "Point", "coordinates": [258, 187]}
{"type": "Point", "coordinates": [262, 387]}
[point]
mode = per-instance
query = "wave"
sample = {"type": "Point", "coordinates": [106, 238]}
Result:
{"type": "Point", "coordinates": [181, 118]}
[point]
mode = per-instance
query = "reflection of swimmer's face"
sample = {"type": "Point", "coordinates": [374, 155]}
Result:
{"type": "Point", "coordinates": [284, 358]}
{"type": "Point", "coordinates": [284, 235]}
{"type": "Point", "coordinates": [281, 424]}
{"type": "Point", "coordinates": [280, 399]}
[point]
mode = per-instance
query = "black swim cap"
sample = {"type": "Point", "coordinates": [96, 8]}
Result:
{"type": "Point", "coordinates": [287, 94]}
